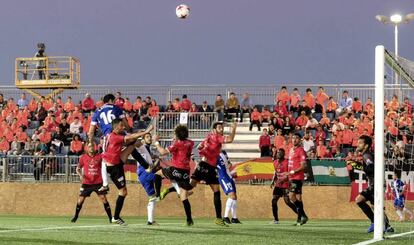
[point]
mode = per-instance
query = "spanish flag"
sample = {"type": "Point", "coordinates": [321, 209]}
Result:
{"type": "Point", "coordinates": [259, 168]}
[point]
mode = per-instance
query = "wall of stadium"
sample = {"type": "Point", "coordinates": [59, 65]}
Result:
{"type": "Point", "coordinates": [322, 202]}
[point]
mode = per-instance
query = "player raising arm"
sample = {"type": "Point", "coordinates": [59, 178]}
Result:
{"type": "Point", "coordinates": [205, 172]}
{"type": "Point", "coordinates": [115, 157]}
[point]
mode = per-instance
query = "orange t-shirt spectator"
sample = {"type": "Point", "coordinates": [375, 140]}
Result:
{"type": "Point", "coordinates": [128, 105]}
{"type": "Point", "coordinates": [309, 98]}
{"type": "Point", "coordinates": [279, 140]}
{"type": "Point", "coordinates": [69, 105]}
{"type": "Point", "coordinates": [154, 109]}
{"type": "Point", "coordinates": [302, 120]}
{"type": "Point", "coordinates": [256, 115]}
{"type": "Point", "coordinates": [356, 105]}
{"type": "Point", "coordinates": [76, 146]}
{"type": "Point", "coordinates": [138, 104]}
{"type": "Point", "coordinates": [283, 96]}
{"type": "Point", "coordinates": [45, 137]}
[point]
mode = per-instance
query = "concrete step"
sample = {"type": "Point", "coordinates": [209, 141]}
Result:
{"type": "Point", "coordinates": [247, 137]}
{"type": "Point", "coordinates": [243, 146]}
{"type": "Point", "coordinates": [243, 155]}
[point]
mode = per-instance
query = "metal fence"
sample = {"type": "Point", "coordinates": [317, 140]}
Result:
{"type": "Point", "coordinates": [39, 168]}
{"type": "Point", "coordinates": [260, 94]}
{"type": "Point", "coordinates": [198, 123]}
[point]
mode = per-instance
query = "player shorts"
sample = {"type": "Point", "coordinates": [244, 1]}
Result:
{"type": "Point", "coordinates": [277, 191]}
{"type": "Point", "coordinates": [117, 175]}
{"type": "Point", "coordinates": [147, 181]}
{"type": "Point", "coordinates": [368, 194]}
{"type": "Point", "coordinates": [86, 190]}
{"type": "Point", "coordinates": [181, 176]}
{"type": "Point", "coordinates": [205, 172]}
{"type": "Point", "coordinates": [228, 185]}
{"type": "Point", "coordinates": [295, 186]}
{"type": "Point", "coordinates": [399, 202]}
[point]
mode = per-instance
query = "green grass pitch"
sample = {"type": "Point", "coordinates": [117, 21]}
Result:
{"type": "Point", "coordinates": [97, 230]}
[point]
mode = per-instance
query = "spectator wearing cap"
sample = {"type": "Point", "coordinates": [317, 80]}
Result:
{"type": "Point", "coordinates": [74, 126]}
{"type": "Point", "coordinates": [246, 106]}
{"type": "Point", "coordinates": [345, 103]}
{"type": "Point", "coordinates": [88, 104]}
{"type": "Point", "coordinates": [185, 103]}
{"type": "Point", "coordinates": [119, 101]}
{"type": "Point", "coordinates": [264, 144]}
{"type": "Point", "coordinates": [232, 106]}
{"type": "Point", "coordinates": [22, 102]}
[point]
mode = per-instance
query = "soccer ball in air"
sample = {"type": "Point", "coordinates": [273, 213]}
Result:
{"type": "Point", "coordinates": [182, 11]}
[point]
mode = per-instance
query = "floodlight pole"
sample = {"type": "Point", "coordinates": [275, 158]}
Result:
{"type": "Point", "coordinates": [396, 77]}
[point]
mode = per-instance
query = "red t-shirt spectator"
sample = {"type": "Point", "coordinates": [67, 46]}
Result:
{"type": "Point", "coordinates": [281, 110]}
{"type": "Point", "coordinates": [255, 116]}
{"type": "Point", "coordinates": [356, 106]}
{"type": "Point", "coordinates": [281, 171]}
{"type": "Point", "coordinates": [210, 148]}
{"type": "Point", "coordinates": [264, 140]}
{"type": "Point", "coordinates": [301, 121]}
{"type": "Point", "coordinates": [88, 104]}
{"type": "Point", "coordinates": [76, 146]}
{"type": "Point", "coordinates": [45, 137]}
{"type": "Point", "coordinates": [153, 111]}
{"type": "Point", "coordinates": [119, 102]}
{"type": "Point", "coordinates": [128, 105]}
{"type": "Point", "coordinates": [279, 141]}
{"type": "Point", "coordinates": [181, 153]}
{"type": "Point", "coordinates": [4, 145]}
{"type": "Point", "coordinates": [296, 157]}
{"type": "Point", "coordinates": [112, 154]}
{"type": "Point", "coordinates": [310, 100]}
{"type": "Point", "coordinates": [185, 104]}
{"type": "Point", "coordinates": [91, 166]}
{"type": "Point", "coordinates": [321, 151]}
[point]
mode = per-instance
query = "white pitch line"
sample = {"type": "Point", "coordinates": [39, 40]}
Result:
{"type": "Point", "coordinates": [401, 234]}
{"type": "Point", "coordinates": [74, 227]}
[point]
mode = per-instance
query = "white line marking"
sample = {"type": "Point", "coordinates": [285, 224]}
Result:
{"type": "Point", "coordinates": [77, 227]}
{"type": "Point", "coordinates": [401, 234]}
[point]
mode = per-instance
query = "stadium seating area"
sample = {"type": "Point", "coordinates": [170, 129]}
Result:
{"type": "Point", "coordinates": [330, 127]}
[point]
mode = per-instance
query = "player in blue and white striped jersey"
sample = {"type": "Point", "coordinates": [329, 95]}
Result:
{"type": "Point", "coordinates": [228, 186]}
{"type": "Point", "coordinates": [398, 189]}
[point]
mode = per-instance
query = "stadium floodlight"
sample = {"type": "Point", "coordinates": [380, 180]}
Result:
{"type": "Point", "coordinates": [395, 19]}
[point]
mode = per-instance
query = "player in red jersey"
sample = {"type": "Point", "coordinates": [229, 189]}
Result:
{"type": "Point", "coordinates": [280, 182]}
{"type": "Point", "coordinates": [89, 171]}
{"type": "Point", "coordinates": [205, 172]}
{"type": "Point", "coordinates": [179, 171]}
{"type": "Point", "coordinates": [296, 168]}
{"type": "Point", "coordinates": [115, 157]}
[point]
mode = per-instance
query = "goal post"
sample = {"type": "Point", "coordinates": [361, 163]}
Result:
{"type": "Point", "coordinates": [379, 143]}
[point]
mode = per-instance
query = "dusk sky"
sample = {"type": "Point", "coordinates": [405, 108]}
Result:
{"type": "Point", "coordinates": [222, 42]}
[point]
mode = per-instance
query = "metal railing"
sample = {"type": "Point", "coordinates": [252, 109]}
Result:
{"type": "Point", "coordinates": [47, 72]}
{"type": "Point", "coordinates": [39, 168]}
{"type": "Point", "coordinates": [198, 123]}
{"type": "Point", "coordinates": [260, 94]}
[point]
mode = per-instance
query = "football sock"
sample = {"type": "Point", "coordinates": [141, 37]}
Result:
{"type": "Point", "coordinates": [119, 205]}
{"type": "Point", "coordinates": [274, 209]}
{"type": "Point", "coordinates": [234, 209]}
{"type": "Point", "coordinates": [138, 157]}
{"type": "Point", "coordinates": [104, 174]}
{"type": "Point", "coordinates": [217, 204]}
{"type": "Point", "coordinates": [108, 210]}
{"type": "Point", "coordinates": [78, 209]}
{"type": "Point", "coordinates": [229, 203]}
{"type": "Point", "coordinates": [367, 210]}
{"type": "Point", "coordinates": [150, 209]}
{"type": "Point", "coordinates": [400, 214]}
{"type": "Point", "coordinates": [301, 207]}
{"type": "Point", "coordinates": [290, 204]}
{"type": "Point", "coordinates": [187, 208]}
{"type": "Point", "coordinates": [157, 184]}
